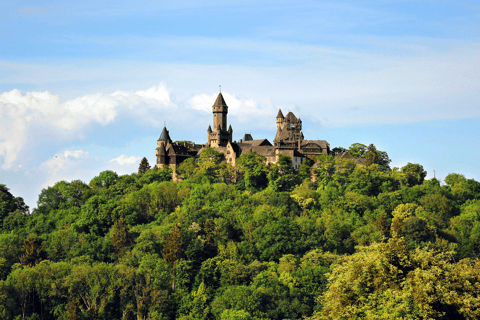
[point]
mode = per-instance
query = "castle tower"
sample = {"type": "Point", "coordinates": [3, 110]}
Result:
{"type": "Point", "coordinates": [220, 110]}
{"type": "Point", "coordinates": [162, 145]}
{"type": "Point", "coordinates": [280, 120]}
{"type": "Point", "coordinates": [220, 136]}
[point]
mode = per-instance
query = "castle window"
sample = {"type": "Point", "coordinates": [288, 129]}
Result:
{"type": "Point", "coordinates": [228, 152]}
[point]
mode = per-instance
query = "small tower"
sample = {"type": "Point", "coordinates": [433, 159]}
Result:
{"type": "Point", "coordinates": [220, 110]}
{"type": "Point", "coordinates": [230, 131]}
{"type": "Point", "coordinates": [209, 133]}
{"type": "Point", "coordinates": [163, 143]}
{"type": "Point", "coordinates": [280, 120]}
{"type": "Point", "coordinates": [220, 136]}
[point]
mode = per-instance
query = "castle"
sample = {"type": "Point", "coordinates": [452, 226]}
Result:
{"type": "Point", "coordinates": [289, 141]}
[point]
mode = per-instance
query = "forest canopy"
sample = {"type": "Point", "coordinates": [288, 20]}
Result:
{"type": "Point", "coordinates": [331, 240]}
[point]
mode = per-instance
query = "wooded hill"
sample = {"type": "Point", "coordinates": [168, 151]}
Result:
{"type": "Point", "coordinates": [258, 242]}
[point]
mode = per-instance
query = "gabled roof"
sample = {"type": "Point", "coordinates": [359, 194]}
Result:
{"type": "Point", "coordinates": [280, 114]}
{"type": "Point", "coordinates": [261, 142]}
{"type": "Point", "coordinates": [220, 102]}
{"type": "Point", "coordinates": [344, 155]}
{"type": "Point", "coordinates": [320, 143]}
{"type": "Point", "coordinates": [164, 136]}
{"type": "Point", "coordinates": [291, 117]}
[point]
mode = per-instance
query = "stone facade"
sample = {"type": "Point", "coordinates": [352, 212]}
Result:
{"type": "Point", "coordinates": [289, 141]}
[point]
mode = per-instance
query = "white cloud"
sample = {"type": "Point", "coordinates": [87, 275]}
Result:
{"type": "Point", "coordinates": [253, 110]}
{"type": "Point", "coordinates": [65, 165]}
{"type": "Point", "coordinates": [124, 160]}
{"type": "Point", "coordinates": [159, 93]}
{"type": "Point", "coordinates": [75, 154]}
{"type": "Point", "coordinates": [20, 111]}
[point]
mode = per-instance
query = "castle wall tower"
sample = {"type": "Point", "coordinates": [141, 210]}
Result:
{"type": "Point", "coordinates": [163, 143]}
{"type": "Point", "coordinates": [220, 136]}
{"type": "Point", "coordinates": [280, 120]}
{"type": "Point", "coordinates": [220, 110]}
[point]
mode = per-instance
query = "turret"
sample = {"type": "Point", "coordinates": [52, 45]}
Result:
{"type": "Point", "coordinates": [280, 120]}
{"type": "Point", "coordinates": [230, 131]}
{"type": "Point", "coordinates": [220, 110]}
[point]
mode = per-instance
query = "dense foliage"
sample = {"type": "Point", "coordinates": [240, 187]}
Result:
{"type": "Point", "coordinates": [330, 241]}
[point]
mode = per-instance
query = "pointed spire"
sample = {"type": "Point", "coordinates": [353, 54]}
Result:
{"type": "Point", "coordinates": [164, 136]}
{"type": "Point", "coordinates": [230, 128]}
{"type": "Point", "coordinates": [280, 114]}
{"type": "Point", "coordinates": [209, 130]}
{"type": "Point", "coordinates": [220, 102]}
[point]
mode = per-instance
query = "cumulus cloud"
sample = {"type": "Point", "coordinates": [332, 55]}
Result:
{"type": "Point", "coordinates": [20, 111]}
{"type": "Point", "coordinates": [241, 111]}
{"type": "Point", "coordinates": [124, 160]}
{"type": "Point", "coordinates": [64, 166]}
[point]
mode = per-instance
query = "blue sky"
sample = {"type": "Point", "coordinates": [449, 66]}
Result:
{"type": "Point", "coordinates": [86, 86]}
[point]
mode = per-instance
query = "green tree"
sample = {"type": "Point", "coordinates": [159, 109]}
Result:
{"type": "Point", "coordinates": [414, 174]}
{"type": "Point", "coordinates": [34, 252]}
{"type": "Point", "coordinates": [337, 150]}
{"type": "Point", "coordinates": [144, 166]}
{"type": "Point", "coordinates": [120, 236]}
{"type": "Point", "coordinates": [252, 166]}
{"type": "Point", "coordinates": [104, 180]}
{"type": "Point", "coordinates": [7, 202]}
{"type": "Point", "coordinates": [172, 250]}
{"type": "Point", "coordinates": [357, 150]}
{"type": "Point", "coordinates": [374, 156]}
{"type": "Point", "coordinates": [387, 281]}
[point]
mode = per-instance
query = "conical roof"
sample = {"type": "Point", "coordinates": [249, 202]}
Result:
{"type": "Point", "coordinates": [209, 129]}
{"type": "Point", "coordinates": [230, 128]}
{"type": "Point", "coordinates": [280, 114]}
{"type": "Point", "coordinates": [164, 136]}
{"type": "Point", "coordinates": [220, 102]}
{"type": "Point", "coordinates": [291, 117]}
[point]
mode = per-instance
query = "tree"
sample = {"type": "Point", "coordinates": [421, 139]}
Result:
{"type": "Point", "coordinates": [104, 180]}
{"type": "Point", "coordinates": [120, 236]}
{"type": "Point", "coordinates": [34, 252]}
{"type": "Point", "coordinates": [374, 156]}
{"type": "Point", "coordinates": [337, 150]}
{"type": "Point", "coordinates": [144, 166]}
{"type": "Point", "coordinates": [252, 166]}
{"type": "Point", "coordinates": [173, 249]}
{"type": "Point", "coordinates": [357, 150]}
{"type": "Point", "coordinates": [387, 281]}
{"type": "Point", "coordinates": [9, 204]}
{"type": "Point", "coordinates": [414, 174]}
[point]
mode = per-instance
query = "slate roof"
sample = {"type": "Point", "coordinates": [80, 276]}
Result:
{"type": "Point", "coordinates": [265, 150]}
{"type": "Point", "coordinates": [322, 143]}
{"type": "Point", "coordinates": [347, 155]}
{"type": "Point", "coordinates": [164, 136]}
{"type": "Point", "coordinates": [280, 114]}
{"type": "Point", "coordinates": [291, 117]}
{"type": "Point", "coordinates": [247, 137]}
{"type": "Point", "coordinates": [220, 102]}
{"type": "Point", "coordinates": [257, 143]}
{"type": "Point", "coordinates": [344, 155]}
